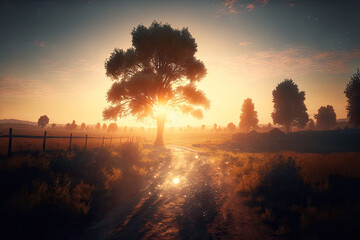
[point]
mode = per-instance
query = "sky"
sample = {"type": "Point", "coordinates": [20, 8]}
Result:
{"type": "Point", "coordinates": [52, 54]}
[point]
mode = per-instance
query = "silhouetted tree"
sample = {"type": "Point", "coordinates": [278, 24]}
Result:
{"type": "Point", "coordinates": [215, 127]}
{"type": "Point", "coordinates": [71, 126]}
{"type": "Point", "coordinates": [53, 126]}
{"type": "Point", "coordinates": [352, 93]}
{"type": "Point", "coordinates": [83, 126]}
{"type": "Point", "coordinates": [98, 126]}
{"type": "Point", "coordinates": [203, 127]}
{"type": "Point", "coordinates": [159, 72]}
{"type": "Point", "coordinates": [104, 126]}
{"type": "Point", "coordinates": [43, 121]}
{"type": "Point", "coordinates": [311, 124]}
{"type": "Point", "coordinates": [112, 127]}
{"type": "Point", "coordinates": [325, 118]}
{"type": "Point", "coordinates": [289, 106]}
{"type": "Point", "coordinates": [248, 117]}
{"type": "Point", "coordinates": [231, 126]}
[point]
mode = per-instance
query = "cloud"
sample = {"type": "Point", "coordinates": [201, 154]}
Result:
{"type": "Point", "coordinates": [244, 44]}
{"type": "Point", "coordinates": [290, 3]}
{"type": "Point", "coordinates": [236, 6]}
{"type": "Point", "coordinates": [71, 66]}
{"type": "Point", "coordinates": [16, 87]}
{"type": "Point", "coordinates": [290, 62]}
{"type": "Point", "coordinates": [250, 7]}
{"type": "Point", "coordinates": [229, 6]}
{"type": "Point", "coordinates": [40, 44]}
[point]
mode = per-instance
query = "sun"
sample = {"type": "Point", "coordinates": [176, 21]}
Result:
{"type": "Point", "coordinates": [159, 109]}
{"type": "Point", "coordinates": [176, 180]}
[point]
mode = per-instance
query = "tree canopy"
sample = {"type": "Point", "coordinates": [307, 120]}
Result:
{"type": "Point", "coordinates": [289, 107]}
{"type": "Point", "coordinates": [43, 121]}
{"type": "Point", "coordinates": [71, 126]}
{"type": "Point", "coordinates": [158, 72]}
{"type": "Point", "coordinates": [231, 126]}
{"type": "Point", "coordinates": [248, 117]}
{"type": "Point", "coordinates": [352, 93]}
{"type": "Point", "coordinates": [325, 118]}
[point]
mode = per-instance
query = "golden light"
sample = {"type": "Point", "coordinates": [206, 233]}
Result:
{"type": "Point", "coordinates": [176, 180]}
{"type": "Point", "coordinates": [159, 109]}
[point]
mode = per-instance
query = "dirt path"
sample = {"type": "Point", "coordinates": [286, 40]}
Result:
{"type": "Point", "coordinates": [189, 196]}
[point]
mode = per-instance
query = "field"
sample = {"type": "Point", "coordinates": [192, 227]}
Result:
{"type": "Point", "coordinates": [183, 136]}
{"type": "Point", "coordinates": [300, 195]}
{"type": "Point", "coordinates": [86, 194]}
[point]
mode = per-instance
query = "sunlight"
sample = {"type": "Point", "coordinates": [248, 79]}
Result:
{"type": "Point", "coordinates": [159, 109]}
{"type": "Point", "coordinates": [176, 180]}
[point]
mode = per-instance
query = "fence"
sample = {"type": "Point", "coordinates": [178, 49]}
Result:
{"type": "Point", "coordinates": [11, 136]}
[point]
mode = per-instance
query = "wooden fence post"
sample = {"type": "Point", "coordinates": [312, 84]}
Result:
{"type": "Point", "coordinates": [10, 142]}
{"type": "Point", "coordinates": [102, 145]}
{"type": "Point", "coordinates": [85, 142]}
{"type": "Point", "coordinates": [70, 142]}
{"type": "Point", "coordinates": [44, 142]}
{"type": "Point", "coordinates": [110, 141]}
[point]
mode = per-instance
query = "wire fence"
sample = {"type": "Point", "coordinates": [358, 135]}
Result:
{"type": "Point", "coordinates": [10, 136]}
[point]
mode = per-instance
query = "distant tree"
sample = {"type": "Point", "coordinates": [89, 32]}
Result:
{"type": "Point", "coordinates": [248, 117]}
{"type": "Point", "coordinates": [352, 93]}
{"type": "Point", "coordinates": [83, 126]}
{"type": "Point", "coordinates": [289, 106]}
{"type": "Point", "coordinates": [71, 126]}
{"type": "Point", "coordinates": [159, 72]}
{"type": "Point", "coordinates": [98, 126]}
{"type": "Point", "coordinates": [269, 125]}
{"type": "Point", "coordinates": [231, 126]}
{"type": "Point", "coordinates": [325, 118]}
{"type": "Point", "coordinates": [215, 127]}
{"type": "Point", "coordinates": [112, 127]}
{"type": "Point", "coordinates": [311, 124]}
{"type": "Point", "coordinates": [203, 127]}
{"type": "Point", "coordinates": [53, 126]}
{"type": "Point", "coordinates": [43, 121]}
{"type": "Point", "coordinates": [104, 126]}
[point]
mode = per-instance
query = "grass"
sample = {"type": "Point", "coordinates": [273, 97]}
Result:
{"type": "Point", "coordinates": [56, 194]}
{"type": "Point", "coordinates": [301, 196]}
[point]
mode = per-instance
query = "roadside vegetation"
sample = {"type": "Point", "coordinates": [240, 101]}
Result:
{"type": "Point", "coordinates": [58, 193]}
{"type": "Point", "coordinates": [300, 195]}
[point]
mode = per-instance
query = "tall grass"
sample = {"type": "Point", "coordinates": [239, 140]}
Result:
{"type": "Point", "coordinates": [54, 195]}
{"type": "Point", "coordinates": [302, 196]}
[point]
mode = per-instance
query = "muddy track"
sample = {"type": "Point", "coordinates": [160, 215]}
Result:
{"type": "Point", "coordinates": [189, 196]}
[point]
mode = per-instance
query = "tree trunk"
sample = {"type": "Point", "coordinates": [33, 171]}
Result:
{"type": "Point", "coordinates": [160, 129]}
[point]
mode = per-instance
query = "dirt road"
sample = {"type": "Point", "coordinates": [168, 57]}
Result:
{"type": "Point", "coordinates": [189, 196]}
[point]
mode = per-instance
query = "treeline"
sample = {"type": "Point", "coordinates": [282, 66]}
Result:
{"type": "Point", "coordinates": [290, 110]}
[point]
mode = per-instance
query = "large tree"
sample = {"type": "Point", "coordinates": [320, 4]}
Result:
{"type": "Point", "coordinates": [325, 118]}
{"type": "Point", "coordinates": [248, 117]}
{"type": "Point", "coordinates": [352, 93]}
{"type": "Point", "coordinates": [159, 72]}
{"type": "Point", "coordinates": [289, 106]}
{"type": "Point", "coordinates": [43, 121]}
